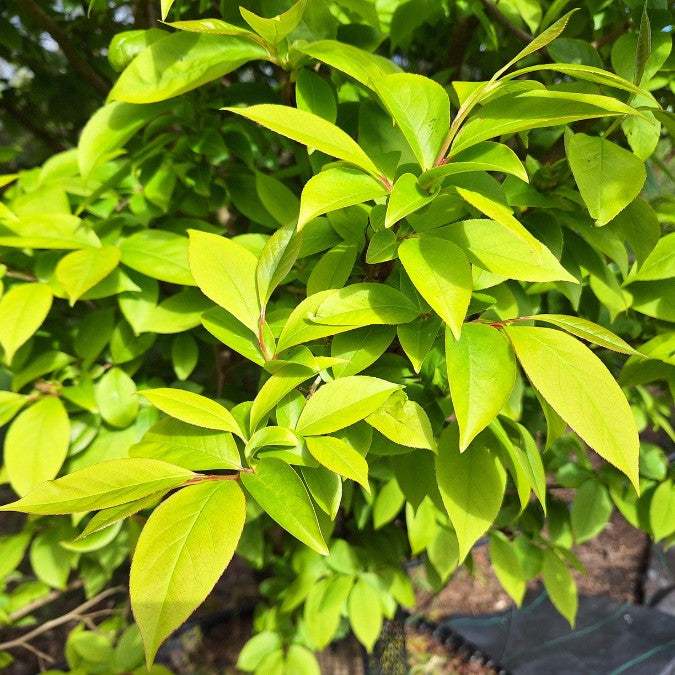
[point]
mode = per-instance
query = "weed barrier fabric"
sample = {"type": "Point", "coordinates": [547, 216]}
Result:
{"type": "Point", "coordinates": [610, 637]}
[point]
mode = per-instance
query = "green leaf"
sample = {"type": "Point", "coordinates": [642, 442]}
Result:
{"type": "Point", "coordinates": [442, 274]}
{"type": "Point", "coordinates": [300, 326]}
{"type": "Point", "coordinates": [10, 404]}
{"type": "Point", "coordinates": [662, 511]}
{"type": "Point", "coordinates": [324, 606]}
{"type": "Point", "coordinates": [559, 585]}
{"type": "Point", "coordinates": [363, 305]}
{"type": "Point", "coordinates": [535, 109]}
{"type": "Point", "coordinates": [644, 46]}
{"type": "Point", "coordinates": [365, 613]}
{"type": "Point", "coordinates": [660, 263]}
{"type": "Point", "coordinates": [472, 486]}
{"type": "Point", "coordinates": [284, 380]}
{"type": "Point", "coordinates": [582, 391]}
{"type": "Point", "coordinates": [280, 492]}
{"type": "Point", "coordinates": [591, 510]}
{"type": "Point", "coordinates": [503, 215]}
{"type": "Point", "coordinates": [165, 6]}
{"type": "Point", "coordinates": [181, 62]}
{"type": "Point", "coordinates": [23, 308]}
{"type": "Point", "coordinates": [507, 567]}
{"type": "Point", "coordinates": [36, 444]}
{"type": "Point", "coordinates": [336, 188]}
{"type": "Point", "coordinates": [193, 409]}
{"type": "Point", "coordinates": [314, 94]}
{"type": "Point", "coordinates": [278, 200]}
{"type": "Point", "coordinates": [188, 446]}
{"type": "Point", "coordinates": [342, 402]}
{"type": "Point", "coordinates": [388, 503]}
{"type": "Point", "coordinates": [114, 514]}
{"type": "Point", "coordinates": [226, 273]}
{"type": "Point", "coordinates": [325, 488]}
{"type": "Point", "coordinates": [109, 128]}
{"type": "Point", "coordinates": [368, 69]}
{"type": "Point", "coordinates": [587, 330]}
{"type": "Point", "coordinates": [276, 261]}
{"type": "Point", "coordinates": [184, 355]}
{"type": "Point", "coordinates": [255, 650]}
{"type": "Point", "coordinates": [404, 422]}
{"type": "Point", "coordinates": [406, 198]}
{"type": "Point", "coordinates": [215, 26]}
{"type": "Point", "coordinates": [310, 130]}
{"type": "Point", "coordinates": [550, 34]}
{"type": "Point", "coordinates": [276, 29]}
{"type": "Point", "coordinates": [115, 398]}
{"type": "Point", "coordinates": [418, 337]}
{"type": "Point", "coordinates": [421, 109]}
{"type": "Point", "coordinates": [443, 552]}
{"type": "Point", "coordinates": [481, 373]}
{"type": "Point", "coordinates": [182, 551]}
{"type": "Point", "coordinates": [333, 268]}
{"type": "Point", "coordinates": [81, 270]}
{"type": "Point", "coordinates": [127, 45]}
{"type": "Point", "coordinates": [233, 334]}
{"type": "Point", "coordinates": [502, 249]}
{"type": "Point", "coordinates": [46, 362]}
{"type": "Point", "coordinates": [101, 486]}
{"type": "Point", "coordinates": [360, 348]}
{"type": "Point", "coordinates": [608, 177]}
{"type": "Point", "coordinates": [301, 660]}
{"type": "Point", "coordinates": [158, 254]}
{"type": "Point", "coordinates": [486, 156]}
{"type": "Point", "coordinates": [340, 458]}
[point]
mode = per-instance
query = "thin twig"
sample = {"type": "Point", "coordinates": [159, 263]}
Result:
{"type": "Point", "coordinates": [505, 22]}
{"type": "Point", "coordinates": [73, 615]}
{"type": "Point", "coordinates": [41, 602]}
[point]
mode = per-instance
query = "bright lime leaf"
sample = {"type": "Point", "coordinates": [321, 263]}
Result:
{"type": "Point", "coordinates": [226, 272]}
{"type": "Point", "coordinates": [342, 402]}
{"type": "Point", "coordinates": [23, 308]}
{"type": "Point", "coordinates": [587, 330]}
{"type": "Point", "coordinates": [188, 446]}
{"type": "Point", "coordinates": [404, 422]}
{"type": "Point", "coordinates": [406, 198]}
{"type": "Point", "coordinates": [180, 62]}
{"type": "Point", "coordinates": [115, 399]}
{"type": "Point", "coordinates": [502, 249]}
{"type": "Point", "coordinates": [363, 305]}
{"type": "Point", "coordinates": [608, 176]}
{"type": "Point", "coordinates": [591, 509]}
{"type": "Point", "coordinates": [481, 373]}
{"type": "Point", "coordinates": [276, 261]}
{"type": "Point", "coordinates": [233, 333]}
{"type": "Point", "coordinates": [507, 567]}
{"type": "Point", "coordinates": [101, 486]}
{"type": "Point", "coordinates": [662, 510]}
{"type": "Point", "coordinates": [442, 274]}
{"type": "Point", "coordinates": [336, 188]}
{"type": "Point", "coordinates": [158, 254]}
{"type": "Point", "coordinates": [559, 585]}
{"type": "Point", "coordinates": [365, 613]}
{"type": "Point", "coordinates": [280, 492]}
{"type": "Point", "coordinates": [81, 270]}
{"type": "Point", "coordinates": [184, 547]}
{"type": "Point", "coordinates": [660, 263]}
{"type": "Point", "coordinates": [36, 444]}
{"type": "Point", "coordinates": [309, 129]}
{"type": "Point", "coordinates": [486, 156]}
{"type": "Point", "coordinates": [277, 28]}
{"type": "Point", "coordinates": [421, 109]}
{"type": "Point", "coordinates": [360, 348]}
{"type": "Point", "coordinates": [333, 268]}
{"type": "Point", "coordinates": [472, 487]}
{"type": "Point", "coordinates": [193, 409]}
{"type": "Point", "coordinates": [340, 458]}
{"type": "Point", "coordinates": [582, 391]}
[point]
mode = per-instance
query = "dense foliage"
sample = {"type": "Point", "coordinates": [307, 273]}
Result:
{"type": "Point", "coordinates": [331, 285]}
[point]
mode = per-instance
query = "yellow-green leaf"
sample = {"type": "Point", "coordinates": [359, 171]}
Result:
{"type": "Point", "coordinates": [582, 391]}
{"type": "Point", "coordinates": [560, 586]}
{"type": "Point", "coordinates": [339, 457]}
{"type": "Point", "coordinates": [481, 373]}
{"type": "Point", "coordinates": [193, 409]}
{"type": "Point", "coordinates": [185, 546]}
{"type": "Point", "coordinates": [23, 308]}
{"type": "Point", "coordinates": [441, 273]}
{"type": "Point", "coordinates": [81, 270]}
